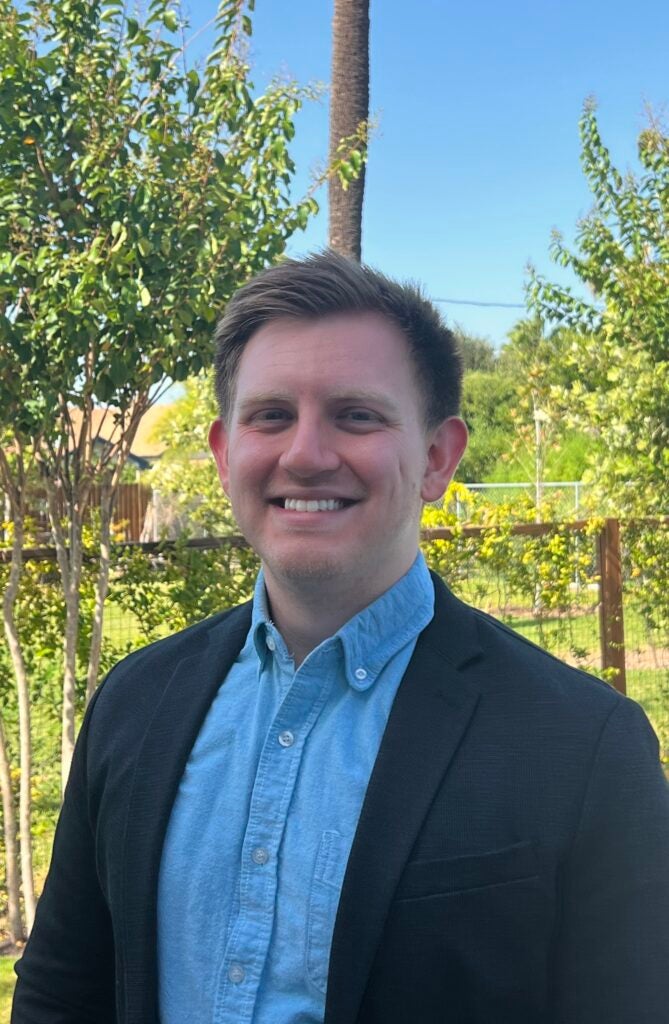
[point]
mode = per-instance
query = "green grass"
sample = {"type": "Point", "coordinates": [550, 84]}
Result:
{"type": "Point", "coordinates": [121, 626]}
{"type": "Point", "coordinates": [7, 979]}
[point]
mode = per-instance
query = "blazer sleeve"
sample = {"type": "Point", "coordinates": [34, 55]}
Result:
{"type": "Point", "coordinates": [66, 974]}
{"type": "Point", "coordinates": [612, 950]}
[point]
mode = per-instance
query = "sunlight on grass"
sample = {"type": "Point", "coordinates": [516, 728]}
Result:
{"type": "Point", "coordinates": [7, 979]}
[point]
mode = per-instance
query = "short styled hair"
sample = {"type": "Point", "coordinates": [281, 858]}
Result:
{"type": "Point", "coordinates": [324, 284]}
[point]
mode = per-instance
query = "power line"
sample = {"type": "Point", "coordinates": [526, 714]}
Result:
{"type": "Point", "coordinates": [474, 302]}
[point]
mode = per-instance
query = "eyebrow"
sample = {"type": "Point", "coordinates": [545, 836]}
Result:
{"type": "Point", "coordinates": [361, 396]}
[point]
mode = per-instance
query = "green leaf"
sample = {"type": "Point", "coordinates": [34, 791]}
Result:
{"type": "Point", "coordinates": [132, 28]}
{"type": "Point", "coordinates": [120, 238]}
{"type": "Point", "coordinates": [117, 370]}
{"type": "Point", "coordinates": [104, 388]}
{"type": "Point", "coordinates": [355, 160]}
{"type": "Point", "coordinates": [145, 296]}
{"type": "Point", "coordinates": [193, 85]}
{"type": "Point", "coordinates": [170, 21]}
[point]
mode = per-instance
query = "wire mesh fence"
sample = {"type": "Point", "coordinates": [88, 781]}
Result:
{"type": "Point", "coordinates": [566, 496]}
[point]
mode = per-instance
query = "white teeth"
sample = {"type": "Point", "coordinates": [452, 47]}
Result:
{"type": "Point", "coordinates": [324, 505]}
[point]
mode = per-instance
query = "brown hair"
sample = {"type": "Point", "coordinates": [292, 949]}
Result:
{"type": "Point", "coordinates": [327, 283]}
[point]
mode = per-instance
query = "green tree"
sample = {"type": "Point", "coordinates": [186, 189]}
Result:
{"type": "Point", "coordinates": [487, 400]}
{"type": "Point", "coordinates": [185, 477]}
{"type": "Point", "coordinates": [517, 427]}
{"type": "Point", "coordinates": [618, 347]}
{"type": "Point", "coordinates": [542, 444]}
{"type": "Point", "coordinates": [136, 193]}
{"type": "Point", "coordinates": [478, 353]}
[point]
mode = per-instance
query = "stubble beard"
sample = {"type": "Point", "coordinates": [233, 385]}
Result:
{"type": "Point", "coordinates": [307, 573]}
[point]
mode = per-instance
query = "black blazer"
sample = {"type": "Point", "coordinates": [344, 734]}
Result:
{"type": "Point", "coordinates": [511, 862]}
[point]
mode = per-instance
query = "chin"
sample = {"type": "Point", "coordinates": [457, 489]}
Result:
{"type": "Point", "coordinates": [303, 569]}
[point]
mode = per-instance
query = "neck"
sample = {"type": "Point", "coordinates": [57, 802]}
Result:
{"type": "Point", "coordinates": [307, 612]}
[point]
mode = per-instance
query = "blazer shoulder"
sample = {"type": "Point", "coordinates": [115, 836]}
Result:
{"type": "Point", "coordinates": [154, 663]}
{"type": "Point", "coordinates": [507, 660]}
{"type": "Point", "coordinates": [532, 670]}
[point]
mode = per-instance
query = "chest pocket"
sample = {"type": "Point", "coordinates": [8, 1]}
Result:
{"type": "Point", "coordinates": [329, 870]}
{"type": "Point", "coordinates": [427, 878]}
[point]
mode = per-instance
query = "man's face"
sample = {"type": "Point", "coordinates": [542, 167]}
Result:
{"type": "Point", "coordinates": [325, 458]}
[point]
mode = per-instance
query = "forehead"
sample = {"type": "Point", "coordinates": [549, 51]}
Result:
{"type": "Point", "coordinates": [328, 352]}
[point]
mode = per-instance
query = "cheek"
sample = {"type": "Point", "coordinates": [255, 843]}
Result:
{"type": "Point", "coordinates": [249, 459]}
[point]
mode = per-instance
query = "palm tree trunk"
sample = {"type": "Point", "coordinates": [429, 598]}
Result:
{"type": "Point", "coordinates": [349, 108]}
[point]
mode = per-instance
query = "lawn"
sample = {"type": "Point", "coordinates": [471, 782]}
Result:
{"type": "Point", "coordinates": [7, 978]}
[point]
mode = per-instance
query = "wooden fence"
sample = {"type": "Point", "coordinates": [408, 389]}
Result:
{"type": "Point", "coordinates": [132, 501]}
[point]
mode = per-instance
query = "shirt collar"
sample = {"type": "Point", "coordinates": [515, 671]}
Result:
{"type": "Point", "coordinates": [372, 637]}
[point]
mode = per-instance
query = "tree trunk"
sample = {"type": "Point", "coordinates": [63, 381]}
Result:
{"type": "Point", "coordinates": [349, 107]}
{"type": "Point", "coordinates": [25, 739]}
{"type": "Point", "coordinates": [12, 877]}
{"type": "Point", "coordinates": [68, 730]}
{"type": "Point", "coordinates": [107, 499]}
{"type": "Point", "coordinates": [72, 602]}
{"type": "Point", "coordinates": [69, 564]}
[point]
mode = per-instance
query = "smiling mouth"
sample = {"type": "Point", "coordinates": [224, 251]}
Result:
{"type": "Point", "coordinates": [312, 505]}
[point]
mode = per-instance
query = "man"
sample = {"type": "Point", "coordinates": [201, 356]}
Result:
{"type": "Point", "coordinates": [394, 809]}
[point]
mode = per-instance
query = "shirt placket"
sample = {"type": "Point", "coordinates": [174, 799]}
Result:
{"type": "Point", "coordinates": [276, 778]}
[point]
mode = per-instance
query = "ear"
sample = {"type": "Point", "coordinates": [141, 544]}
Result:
{"type": "Point", "coordinates": [447, 444]}
{"type": "Point", "coordinates": [218, 442]}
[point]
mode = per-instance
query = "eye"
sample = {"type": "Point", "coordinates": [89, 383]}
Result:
{"type": "Point", "coordinates": [270, 416]}
{"type": "Point", "coordinates": [360, 417]}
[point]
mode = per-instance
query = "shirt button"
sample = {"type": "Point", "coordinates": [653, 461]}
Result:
{"type": "Point", "coordinates": [271, 643]}
{"type": "Point", "coordinates": [361, 673]}
{"type": "Point", "coordinates": [260, 855]}
{"type": "Point", "coordinates": [236, 973]}
{"type": "Point", "coordinates": [286, 739]}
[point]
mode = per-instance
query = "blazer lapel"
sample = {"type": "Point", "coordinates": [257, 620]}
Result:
{"type": "Point", "coordinates": [429, 716]}
{"type": "Point", "coordinates": [159, 767]}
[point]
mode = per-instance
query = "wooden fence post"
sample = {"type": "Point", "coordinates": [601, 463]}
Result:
{"type": "Point", "coordinates": [611, 626]}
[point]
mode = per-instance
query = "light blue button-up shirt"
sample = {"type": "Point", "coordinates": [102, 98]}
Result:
{"type": "Point", "coordinates": [263, 822]}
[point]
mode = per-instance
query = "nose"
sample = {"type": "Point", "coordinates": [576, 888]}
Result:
{"type": "Point", "coordinates": [309, 449]}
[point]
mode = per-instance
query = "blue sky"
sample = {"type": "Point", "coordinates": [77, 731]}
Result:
{"type": "Point", "coordinates": [476, 155]}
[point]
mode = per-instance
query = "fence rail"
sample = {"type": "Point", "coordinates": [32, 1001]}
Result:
{"type": "Point", "coordinates": [571, 490]}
